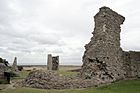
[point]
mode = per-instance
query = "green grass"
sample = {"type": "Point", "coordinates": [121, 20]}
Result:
{"type": "Point", "coordinates": [127, 86]}
{"type": "Point", "coordinates": [66, 72]}
{"type": "Point", "coordinates": [22, 75]}
{"type": "Point", "coordinates": [61, 71]}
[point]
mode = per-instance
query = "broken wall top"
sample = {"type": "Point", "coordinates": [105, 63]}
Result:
{"type": "Point", "coordinates": [109, 15]}
{"type": "Point", "coordinates": [107, 28]}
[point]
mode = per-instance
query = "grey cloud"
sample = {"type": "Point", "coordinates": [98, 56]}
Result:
{"type": "Point", "coordinates": [47, 39]}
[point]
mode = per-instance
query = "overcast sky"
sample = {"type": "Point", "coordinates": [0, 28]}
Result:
{"type": "Point", "coordinates": [31, 29]}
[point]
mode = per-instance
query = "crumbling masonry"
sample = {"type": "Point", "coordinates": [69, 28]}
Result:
{"type": "Point", "coordinates": [15, 68]}
{"type": "Point", "coordinates": [104, 59]}
{"type": "Point", "coordinates": [53, 62]}
{"type": "Point", "coordinates": [4, 71]}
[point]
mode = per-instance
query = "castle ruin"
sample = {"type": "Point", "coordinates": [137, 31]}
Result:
{"type": "Point", "coordinates": [4, 71]}
{"type": "Point", "coordinates": [104, 59]}
{"type": "Point", "coordinates": [14, 66]}
{"type": "Point", "coordinates": [53, 62]}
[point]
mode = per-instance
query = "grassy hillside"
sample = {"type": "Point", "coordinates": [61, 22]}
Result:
{"type": "Point", "coordinates": [127, 86]}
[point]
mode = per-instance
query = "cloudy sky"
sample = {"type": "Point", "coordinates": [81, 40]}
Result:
{"type": "Point", "coordinates": [31, 29]}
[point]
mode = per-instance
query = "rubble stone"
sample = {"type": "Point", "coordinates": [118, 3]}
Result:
{"type": "Point", "coordinates": [51, 80]}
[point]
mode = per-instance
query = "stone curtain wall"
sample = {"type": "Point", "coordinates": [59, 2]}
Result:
{"type": "Point", "coordinates": [132, 64]}
{"type": "Point", "coordinates": [104, 59]}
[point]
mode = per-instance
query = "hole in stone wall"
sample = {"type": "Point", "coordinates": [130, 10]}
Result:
{"type": "Point", "coordinates": [88, 77]}
{"type": "Point", "coordinates": [104, 15]}
{"type": "Point", "coordinates": [97, 60]}
{"type": "Point", "coordinates": [94, 74]}
{"type": "Point", "coordinates": [103, 78]}
{"type": "Point", "coordinates": [90, 60]}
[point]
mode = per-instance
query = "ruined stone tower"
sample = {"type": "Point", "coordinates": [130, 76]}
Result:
{"type": "Point", "coordinates": [49, 62]}
{"type": "Point", "coordinates": [103, 56]}
{"type": "Point", "coordinates": [15, 64]}
{"type": "Point", "coordinates": [53, 62]}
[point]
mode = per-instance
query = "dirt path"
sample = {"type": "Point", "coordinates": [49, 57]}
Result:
{"type": "Point", "coordinates": [7, 86]}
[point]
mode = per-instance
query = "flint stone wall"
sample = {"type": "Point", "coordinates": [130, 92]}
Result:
{"type": "Point", "coordinates": [103, 58]}
{"type": "Point", "coordinates": [132, 64]}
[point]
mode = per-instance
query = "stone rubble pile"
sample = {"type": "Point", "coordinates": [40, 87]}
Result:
{"type": "Point", "coordinates": [51, 80]}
